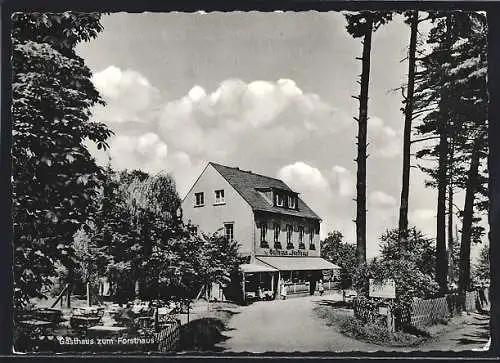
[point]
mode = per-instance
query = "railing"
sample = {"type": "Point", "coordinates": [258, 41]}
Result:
{"type": "Point", "coordinates": [302, 287]}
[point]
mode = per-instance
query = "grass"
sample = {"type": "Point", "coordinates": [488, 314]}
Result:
{"type": "Point", "coordinates": [370, 333]}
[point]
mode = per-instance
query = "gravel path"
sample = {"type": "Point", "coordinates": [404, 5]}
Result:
{"type": "Point", "coordinates": [291, 325]}
{"type": "Point", "coordinates": [468, 333]}
{"type": "Point", "coordinates": [286, 326]}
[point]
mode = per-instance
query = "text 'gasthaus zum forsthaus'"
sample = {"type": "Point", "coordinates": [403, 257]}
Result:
{"type": "Point", "coordinates": [104, 341]}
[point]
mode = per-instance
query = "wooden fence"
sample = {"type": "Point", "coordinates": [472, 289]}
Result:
{"type": "Point", "coordinates": [168, 338]}
{"type": "Point", "coordinates": [426, 312]}
{"type": "Point", "coordinates": [431, 311]}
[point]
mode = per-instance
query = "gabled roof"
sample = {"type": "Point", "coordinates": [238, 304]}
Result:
{"type": "Point", "coordinates": [246, 184]}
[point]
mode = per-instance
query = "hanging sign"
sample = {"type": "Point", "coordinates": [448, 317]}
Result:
{"type": "Point", "coordinates": [272, 252]}
{"type": "Point", "coordinates": [385, 289]}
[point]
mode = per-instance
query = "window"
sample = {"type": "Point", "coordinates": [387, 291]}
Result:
{"type": "Point", "coordinates": [292, 202]}
{"type": "Point", "coordinates": [229, 231]}
{"type": "Point", "coordinates": [219, 196]}
{"type": "Point", "coordinates": [279, 199]}
{"type": "Point", "coordinates": [199, 199]}
{"type": "Point", "coordinates": [289, 230]}
{"type": "Point", "coordinates": [277, 231]}
{"type": "Point", "coordinates": [301, 234]}
{"type": "Point", "coordinates": [311, 236]}
{"type": "Point", "coordinates": [263, 232]}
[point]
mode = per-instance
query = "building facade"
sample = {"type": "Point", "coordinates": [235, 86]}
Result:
{"type": "Point", "coordinates": [277, 232]}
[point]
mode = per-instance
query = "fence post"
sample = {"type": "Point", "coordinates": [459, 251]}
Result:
{"type": "Point", "coordinates": [390, 319]}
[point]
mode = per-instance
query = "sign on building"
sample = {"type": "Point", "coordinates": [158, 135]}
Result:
{"type": "Point", "coordinates": [385, 289]}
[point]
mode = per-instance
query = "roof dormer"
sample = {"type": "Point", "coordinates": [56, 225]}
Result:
{"type": "Point", "coordinates": [285, 199]}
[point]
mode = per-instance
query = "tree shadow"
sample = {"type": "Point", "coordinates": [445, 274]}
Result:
{"type": "Point", "coordinates": [228, 311]}
{"type": "Point", "coordinates": [333, 304]}
{"type": "Point", "coordinates": [203, 335]}
{"type": "Point", "coordinates": [480, 336]}
{"type": "Point", "coordinates": [483, 315]}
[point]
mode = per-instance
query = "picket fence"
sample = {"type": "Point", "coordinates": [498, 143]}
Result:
{"type": "Point", "coordinates": [431, 311]}
{"type": "Point", "coordinates": [423, 313]}
{"type": "Point", "coordinates": [168, 338]}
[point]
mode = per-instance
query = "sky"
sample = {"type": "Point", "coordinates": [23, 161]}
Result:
{"type": "Point", "coordinates": [267, 92]}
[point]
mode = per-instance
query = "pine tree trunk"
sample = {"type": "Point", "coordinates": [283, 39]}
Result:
{"type": "Point", "coordinates": [451, 242]}
{"type": "Point", "coordinates": [361, 158]}
{"type": "Point", "coordinates": [136, 288]}
{"type": "Point", "coordinates": [441, 263]}
{"type": "Point", "coordinates": [405, 186]}
{"type": "Point", "coordinates": [470, 191]}
{"type": "Point", "coordinates": [88, 294]}
{"type": "Point", "coordinates": [443, 150]}
{"type": "Point", "coordinates": [207, 296]}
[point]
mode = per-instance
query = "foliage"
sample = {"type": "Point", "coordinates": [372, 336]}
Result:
{"type": "Point", "coordinates": [408, 262]}
{"type": "Point", "coordinates": [88, 258]}
{"type": "Point", "coordinates": [342, 254]}
{"type": "Point", "coordinates": [375, 333]}
{"type": "Point", "coordinates": [113, 231]}
{"type": "Point", "coordinates": [357, 21]}
{"type": "Point", "coordinates": [54, 175]}
{"type": "Point", "coordinates": [451, 100]}
{"type": "Point", "coordinates": [140, 228]}
{"type": "Point", "coordinates": [414, 247]}
{"type": "Point", "coordinates": [219, 258]}
{"type": "Point", "coordinates": [481, 271]}
{"type": "Point", "coordinates": [452, 89]}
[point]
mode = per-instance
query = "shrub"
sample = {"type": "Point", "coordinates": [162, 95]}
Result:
{"type": "Point", "coordinates": [376, 333]}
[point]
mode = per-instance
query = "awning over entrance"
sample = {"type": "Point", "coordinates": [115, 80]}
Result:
{"type": "Point", "coordinates": [298, 263]}
{"type": "Point", "coordinates": [250, 267]}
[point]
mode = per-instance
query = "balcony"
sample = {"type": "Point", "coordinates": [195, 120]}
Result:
{"type": "Point", "coordinates": [289, 246]}
{"type": "Point", "coordinates": [277, 245]}
{"type": "Point", "coordinates": [312, 247]}
{"type": "Point", "coordinates": [302, 246]}
{"type": "Point", "coordinates": [264, 244]}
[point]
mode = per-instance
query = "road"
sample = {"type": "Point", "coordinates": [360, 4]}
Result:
{"type": "Point", "coordinates": [291, 325]}
{"type": "Point", "coordinates": [286, 326]}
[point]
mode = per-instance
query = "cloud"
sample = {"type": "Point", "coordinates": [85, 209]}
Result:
{"type": "Point", "coordinates": [313, 188]}
{"type": "Point", "coordinates": [216, 124]}
{"type": "Point", "coordinates": [145, 152]}
{"type": "Point", "coordinates": [423, 219]}
{"type": "Point", "coordinates": [271, 127]}
{"type": "Point", "coordinates": [344, 181]}
{"type": "Point", "coordinates": [379, 199]}
{"type": "Point", "coordinates": [422, 214]}
{"type": "Point", "coordinates": [385, 141]}
{"type": "Point", "coordinates": [303, 176]}
{"type": "Point", "coordinates": [128, 94]}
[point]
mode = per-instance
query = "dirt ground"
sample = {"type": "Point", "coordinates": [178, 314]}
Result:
{"type": "Point", "coordinates": [470, 332]}
{"type": "Point", "coordinates": [291, 325]}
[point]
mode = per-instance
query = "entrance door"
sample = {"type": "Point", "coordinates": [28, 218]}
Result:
{"type": "Point", "coordinates": [312, 286]}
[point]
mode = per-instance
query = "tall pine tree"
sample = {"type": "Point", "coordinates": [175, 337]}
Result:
{"type": "Point", "coordinates": [451, 95]}
{"type": "Point", "coordinates": [362, 25]}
